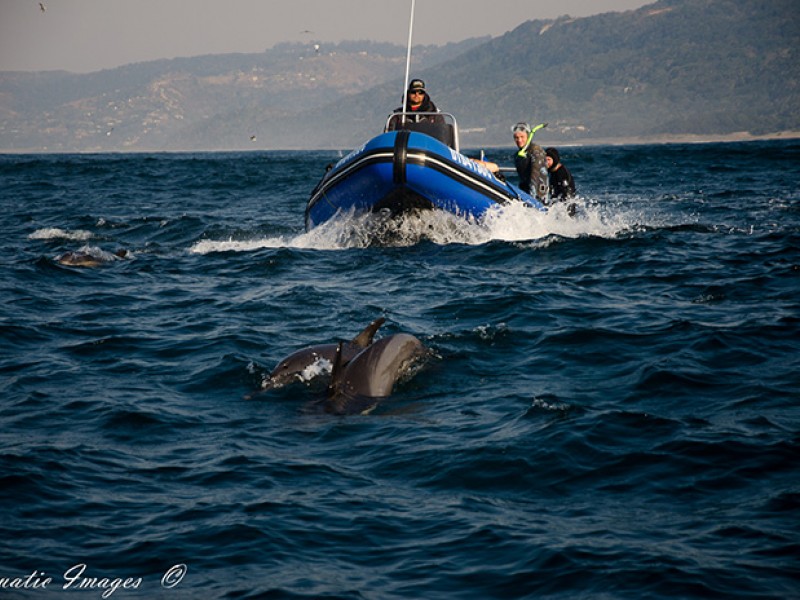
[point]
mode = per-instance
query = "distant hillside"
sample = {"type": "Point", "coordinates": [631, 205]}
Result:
{"type": "Point", "coordinates": [676, 66]}
{"type": "Point", "coordinates": [204, 102]}
{"type": "Point", "coordinates": [707, 67]}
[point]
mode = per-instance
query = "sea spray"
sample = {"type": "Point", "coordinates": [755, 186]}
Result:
{"type": "Point", "coordinates": [514, 222]}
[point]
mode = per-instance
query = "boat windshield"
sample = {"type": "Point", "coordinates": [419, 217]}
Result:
{"type": "Point", "coordinates": [441, 126]}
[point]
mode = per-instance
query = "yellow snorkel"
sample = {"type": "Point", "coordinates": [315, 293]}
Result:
{"type": "Point", "coordinates": [523, 127]}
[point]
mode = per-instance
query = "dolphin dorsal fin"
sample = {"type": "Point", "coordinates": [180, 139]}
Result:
{"type": "Point", "coordinates": [364, 339]}
{"type": "Point", "coordinates": [336, 372]}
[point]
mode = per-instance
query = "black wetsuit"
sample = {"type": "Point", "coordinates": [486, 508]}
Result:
{"type": "Point", "coordinates": [562, 185]}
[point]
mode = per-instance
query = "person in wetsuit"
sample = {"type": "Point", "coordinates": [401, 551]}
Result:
{"type": "Point", "coordinates": [530, 162]}
{"type": "Point", "coordinates": [562, 185]}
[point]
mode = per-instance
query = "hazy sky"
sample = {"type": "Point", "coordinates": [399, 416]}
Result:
{"type": "Point", "coordinates": [89, 35]}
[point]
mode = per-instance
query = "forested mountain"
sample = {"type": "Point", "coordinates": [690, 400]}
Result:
{"type": "Point", "coordinates": [707, 67]}
{"type": "Point", "coordinates": [676, 66]}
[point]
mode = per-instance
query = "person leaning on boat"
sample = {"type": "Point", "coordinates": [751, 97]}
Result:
{"type": "Point", "coordinates": [418, 101]}
{"type": "Point", "coordinates": [562, 185]}
{"type": "Point", "coordinates": [530, 162]}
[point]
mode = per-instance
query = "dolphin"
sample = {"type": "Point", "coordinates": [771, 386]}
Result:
{"type": "Point", "coordinates": [358, 385]}
{"type": "Point", "coordinates": [292, 367]}
{"type": "Point", "coordinates": [89, 257]}
{"type": "Point", "coordinates": [79, 259]}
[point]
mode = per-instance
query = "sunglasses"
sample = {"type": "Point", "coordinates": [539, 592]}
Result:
{"type": "Point", "coordinates": [415, 92]}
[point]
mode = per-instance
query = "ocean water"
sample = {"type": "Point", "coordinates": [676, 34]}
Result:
{"type": "Point", "coordinates": [611, 408]}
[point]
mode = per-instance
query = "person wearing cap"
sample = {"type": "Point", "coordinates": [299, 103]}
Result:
{"type": "Point", "coordinates": [562, 185]}
{"type": "Point", "coordinates": [530, 162]}
{"type": "Point", "coordinates": [417, 101]}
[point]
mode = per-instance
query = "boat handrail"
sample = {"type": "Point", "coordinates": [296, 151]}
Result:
{"type": "Point", "coordinates": [438, 125]}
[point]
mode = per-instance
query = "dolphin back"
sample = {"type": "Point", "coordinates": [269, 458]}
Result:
{"type": "Point", "coordinates": [364, 339]}
{"type": "Point", "coordinates": [295, 367]}
{"type": "Point", "coordinates": [356, 387]}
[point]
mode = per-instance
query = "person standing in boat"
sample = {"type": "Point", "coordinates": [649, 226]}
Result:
{"type": "Point", "coordinates": [562, 185]}
{"type": "Point", "coordinates": [530, 161]}
{"type": "Point", "coordinates": [417, 101]}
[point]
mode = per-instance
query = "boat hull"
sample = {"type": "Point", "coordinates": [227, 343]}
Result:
{"type": "Point", "coordinates": [402, 171]}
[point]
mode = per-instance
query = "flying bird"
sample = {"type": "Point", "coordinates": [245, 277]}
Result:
{"type": "Point", "coordinates": [42, 7]}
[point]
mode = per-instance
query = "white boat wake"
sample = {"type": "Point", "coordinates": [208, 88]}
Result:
{"type": "Point", "coordinates": [510, 223]}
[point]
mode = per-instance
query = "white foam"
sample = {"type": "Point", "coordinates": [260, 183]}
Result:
{"type": "Point", "coordinates": [543, 404]}
{"type": "Point", "coordinates": [514, 222]}
{"type": "Point", "coordinates": [321, 366]}
{"type": "Point", "coordinates": [56, 233]}
{"type": "Point", "coordinates": [231, 245]}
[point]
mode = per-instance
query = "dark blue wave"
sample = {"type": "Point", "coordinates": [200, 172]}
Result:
{"type": "Point", "coordinates": [610, 410]}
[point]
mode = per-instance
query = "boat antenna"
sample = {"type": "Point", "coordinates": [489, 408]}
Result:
{"type": "Point", "coordinates": [408, 60]}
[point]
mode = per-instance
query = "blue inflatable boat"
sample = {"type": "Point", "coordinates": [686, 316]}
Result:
{"type": "Point", "coordinates": [412, 166]}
